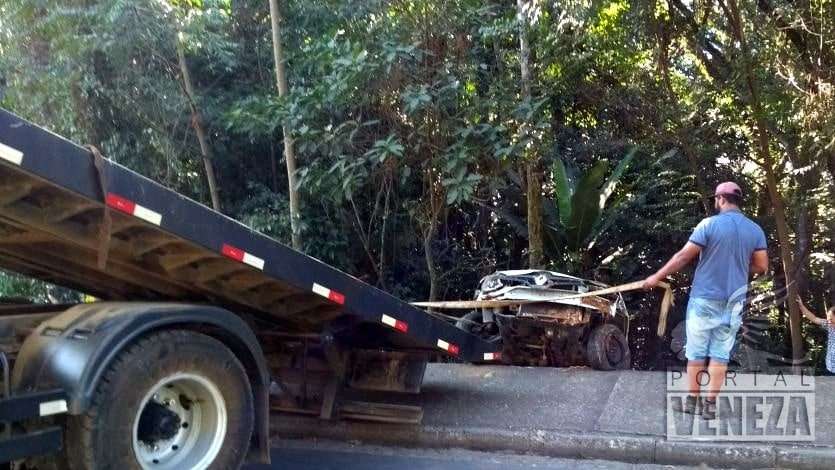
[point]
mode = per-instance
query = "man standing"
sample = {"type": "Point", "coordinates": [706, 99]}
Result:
{"type": "Point", "coordinates": [730, 248]}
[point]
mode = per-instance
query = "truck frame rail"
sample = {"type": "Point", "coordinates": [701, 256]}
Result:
{"type": "Point", "coordinates": [72, 218]}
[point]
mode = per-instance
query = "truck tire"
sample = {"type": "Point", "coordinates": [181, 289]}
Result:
{"type": "Point", "coordinates": [607, 349]}
{"type": "Point", "coordinates": [173, 400]}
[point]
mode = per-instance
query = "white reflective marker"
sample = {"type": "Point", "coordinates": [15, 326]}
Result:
{"type": "Point", "coordinates": [10, 154]}
{"type": "Point", "coordinates": [53, 407]}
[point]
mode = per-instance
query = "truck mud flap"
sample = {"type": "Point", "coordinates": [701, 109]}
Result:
{"type": "Point", "coordinates": [42, 442]}
{"type": "Point", "coordinates": [25, 407]}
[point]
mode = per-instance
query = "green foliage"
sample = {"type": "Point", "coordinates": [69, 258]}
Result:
{"type": "Point", "coordinates": [383, 149]}
{"type": "Point", "coordinates": [20, 289]}
{"type": "Point", "coordinates": [460, 184]}
{"type": "Point", "coordinates": [581, 206]}
{"type": "Point", "coordinates": [411, 130]}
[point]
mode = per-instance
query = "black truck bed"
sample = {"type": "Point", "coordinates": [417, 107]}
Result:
{"type": "Point", "coordinates": [160, 245]}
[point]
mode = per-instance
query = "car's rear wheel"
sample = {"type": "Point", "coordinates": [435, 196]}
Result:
{"type": "Point", "coordinates": [607, 348]}
{"type": "Point", "coordinates": [473, 322]}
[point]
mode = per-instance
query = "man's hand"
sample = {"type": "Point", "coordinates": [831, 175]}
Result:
{"type": "Point", "coordinates": [651, 282]}
{"type": "Point", "coordinates": [678, 261]}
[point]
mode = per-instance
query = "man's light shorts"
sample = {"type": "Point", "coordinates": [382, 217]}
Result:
{"type": "Point", "coordinates": [711, 328]}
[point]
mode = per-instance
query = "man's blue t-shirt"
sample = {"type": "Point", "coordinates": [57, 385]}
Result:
{"type": "Point", "coordinates": [728, 240]}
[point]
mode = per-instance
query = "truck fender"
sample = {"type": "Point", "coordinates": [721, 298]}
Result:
{"type": "Point", "coordinates": [72, 351]}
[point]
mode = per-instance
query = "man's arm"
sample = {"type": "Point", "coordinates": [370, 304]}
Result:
{"type": "Point", "coordinates": [759, 262]}
{"type": "Point", "coordinates": [678, 261]}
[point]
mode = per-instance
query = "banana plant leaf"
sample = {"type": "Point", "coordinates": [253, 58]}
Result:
{"type": "Point", "coordinates": [563, 191]}
{"type": "Point", "coordinates": [585, 206]}
{"type": "Point", "coordinates": [612, 182]}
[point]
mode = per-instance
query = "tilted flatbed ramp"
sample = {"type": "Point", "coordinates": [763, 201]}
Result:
{"type": "Point", "coordinates": [159, 245]}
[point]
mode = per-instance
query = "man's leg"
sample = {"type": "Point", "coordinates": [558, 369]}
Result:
{"type": "Point", "coordinates": [722, 339]}
{"type": "Point", "coordinates": [696, 375]}
{"type": "Point", "coordinates": [696, 350]}
{"type": "Point", "coordinates": [717, 369]}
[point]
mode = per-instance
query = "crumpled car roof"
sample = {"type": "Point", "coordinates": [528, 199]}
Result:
{"type": "Point", "coordinates": [542, 286]}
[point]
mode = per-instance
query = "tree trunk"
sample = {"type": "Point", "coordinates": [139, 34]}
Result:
{"type": "Point", "coordinates": [199, 129]}
{"type": "Point", "coordinates": [524, 49]}
{"type": "Point", "coordinates": [432, 270]}
{"type": "Point", "coordinates": [807, 215]}
{"type": "Point", "coordinates": [532, 177]}
{"type": "Point", "coordinates": [803, 233]}
{"type": "Point", "coordinates": [763, 147]}
{"type": "Point", "coordinates": [435, 201]}
{"type": "Point", "coordinates": [289, 150]}
{"type": "Point", "coordinates": [534, 197]}
{"type": "Point", "coordinates": [785, 245]}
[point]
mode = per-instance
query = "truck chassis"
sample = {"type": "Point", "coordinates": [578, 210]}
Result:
{"type": "Point", "coordinates": [203, 327]}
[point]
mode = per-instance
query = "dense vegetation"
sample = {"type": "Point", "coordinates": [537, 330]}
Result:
{"type": "Point", "coordinates": [437, 141]}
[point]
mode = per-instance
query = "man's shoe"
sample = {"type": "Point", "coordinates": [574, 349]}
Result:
{"type": "Point", "coordinates": [709, 409]}
{"type": "Point", "coordinates": [689, 405]}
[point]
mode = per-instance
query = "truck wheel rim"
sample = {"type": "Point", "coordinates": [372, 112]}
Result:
{"type": "Point", "coordinates": [180, 424]}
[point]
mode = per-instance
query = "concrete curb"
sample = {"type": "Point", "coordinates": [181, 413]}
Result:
{"type": "Point", "coordinates": [628, 448]}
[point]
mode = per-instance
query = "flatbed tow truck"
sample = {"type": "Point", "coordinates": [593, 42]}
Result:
{"type": "Point", "coordinates": [203, 325]}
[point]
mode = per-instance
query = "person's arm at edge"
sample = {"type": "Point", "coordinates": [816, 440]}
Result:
{"type": "Point", "coordinates": [679, 260]}
{"type": "Point", "coordinates": [808, 313]}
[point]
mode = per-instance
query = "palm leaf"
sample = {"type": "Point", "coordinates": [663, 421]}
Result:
{"type": "Point", "coordinates": [605, 220]}
{"type": "Point", "coordinates": [585, 208]}
{"type": "Point", "coordinates": [612, 182]}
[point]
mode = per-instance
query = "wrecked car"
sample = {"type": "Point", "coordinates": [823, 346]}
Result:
{"type": "Point", "coordinates": [525, 311]}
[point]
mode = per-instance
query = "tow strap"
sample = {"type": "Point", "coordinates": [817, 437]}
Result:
{"type": "Point", "coordinates": [666, 302]}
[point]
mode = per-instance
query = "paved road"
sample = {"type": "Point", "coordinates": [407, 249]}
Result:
{"type": "Point", "coordinates": [323, 455]}
{"type": "Point", "coordinates": [573, 412]}
{"type": "Point", "coordinates": [570, 399]}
